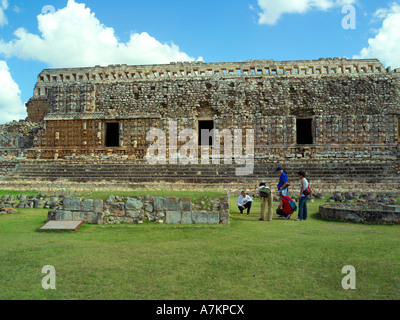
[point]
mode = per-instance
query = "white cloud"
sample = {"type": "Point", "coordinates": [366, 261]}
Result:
{"type": "Point", "coordinates": [272, 10]}
{"type": "Point", "coordinates": [386, 44]}
{"type": "Point", "coordinates": [11, 107]}
{"type": "Point", "coordinates": [74, 37]}
{"type": "Point", "coordinates": [4, 4]}
{"type": "Point", "coordinates": [3, 17]}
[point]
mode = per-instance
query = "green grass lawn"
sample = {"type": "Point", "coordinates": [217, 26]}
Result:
{"type": "Point", "coordinates": [17, 193]}
{"type": "Point", "coordinates": [245, 260]}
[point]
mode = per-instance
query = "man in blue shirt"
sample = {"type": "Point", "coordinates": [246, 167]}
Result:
{"type": "Point", "coordinates": [283, 182]}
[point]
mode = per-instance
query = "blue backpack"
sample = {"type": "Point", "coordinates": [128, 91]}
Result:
{"type": "Point", "coordinates": [292, 204]}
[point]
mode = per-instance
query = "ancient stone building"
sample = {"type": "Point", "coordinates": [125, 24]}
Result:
{"type": "Point", "coordinates": [337, 119]}
{"type": "Point", "coordinates": [322, 109]}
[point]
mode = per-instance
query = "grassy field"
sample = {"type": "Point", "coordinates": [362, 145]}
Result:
{"type": "Point", "coordinates": [17, 193]}
{"type": "Point", "coordinates": [246, 260]}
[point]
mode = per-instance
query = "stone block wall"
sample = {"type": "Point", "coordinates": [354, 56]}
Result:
{"type": "Point", "coordinates": [37, 109]}
{"type": "Point", "coordinates": [30, 202]}
{"type": "Point", "coordinates": [369, 214]}
{"type": "Point", "coordinates": [16, 137]}
{"type": "Point", "coordinates": [275, 137]}
{"type": "Point", "coordinates": [76, 209]}
{"type": "Point", "coordinates": [353, 105]}
{"type": "Point", "coordinates": [137, 210]}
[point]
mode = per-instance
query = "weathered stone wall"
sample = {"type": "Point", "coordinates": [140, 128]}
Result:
{"type": "Point", "coordinates": [275, 137]}
{"type": "Point", "coordinates": [369, 214]}
{"type": "Point", "coordinates": [354, 106]}
{"type": "Point", "coordinates": [16, 137]}
{"type": "Point", "coordinates": [29, 202]}
{"type": "Point", "coordinates": [244, 96]}
{"type": "Point", "coordinates": [37, 109]}
{"type": "Point", "coordinates": [138, 210]}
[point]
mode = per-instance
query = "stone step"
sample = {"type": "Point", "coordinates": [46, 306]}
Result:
{"type": "Point", "coordinates": [191, 169]}
{"type": "Point", "coordinates": [185, 174]}
{"type": "Point", "coordinates": [194, 178]}
{"type": "Point", "coordinates": [258, 170]}
{"type": "Point", "coordinates": [136, 173]}
{"type": "Point", "coordinates": [196, 172]}
{"type": "Point", "coordinates": [272, 166]}
{"type": "Point", "coordinates": [202, 166]}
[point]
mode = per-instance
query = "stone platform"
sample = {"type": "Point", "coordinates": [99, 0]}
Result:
{"type": "Point", "coordinates": [62, 225]}
{"type": "Point", "coordinates": [324, 177]}
{"type": "Point", "coordinates": [364, 213]}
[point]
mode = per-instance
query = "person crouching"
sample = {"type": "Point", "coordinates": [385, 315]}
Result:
{"type": "Point", "coordinates": [284, 208]}
{"type": "Point", "coordinates": [244, 202]}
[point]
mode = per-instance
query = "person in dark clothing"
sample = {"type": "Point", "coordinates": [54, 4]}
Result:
{"type": "Point", "coordinates": [303, 215]}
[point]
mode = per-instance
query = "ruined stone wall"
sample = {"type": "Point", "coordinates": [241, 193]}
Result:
{"type": "Point", "coordinates": [138, 210]}
{"type": "Point", "coordinates": [369, 214]}
{"type": "Point", "coordinates": [354, 105]}
{"type": "Point", "coordinates": [245, 96]}
{"type": "Point", "coordinates": [37, 109]}
{"type": "Point", "coordinates": [87, 137]}
{"type": "Point", "coordinates": [348, 137]}
{"type": "Point", "coordinates": [15, 137]}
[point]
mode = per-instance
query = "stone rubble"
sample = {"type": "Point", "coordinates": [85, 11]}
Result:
{"type": "Point", "coordinates": [29, 202]}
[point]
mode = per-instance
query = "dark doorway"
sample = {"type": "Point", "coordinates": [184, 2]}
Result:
{"type": "Point", "coordinates": [207, 126]}
{"type": "Point", "coordinates": [112, 135]}
{"type": "Point", "coordinates": [305, 131]}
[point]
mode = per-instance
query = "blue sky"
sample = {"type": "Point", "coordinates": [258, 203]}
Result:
{"type": "Point", "coordinates": [214, 31]}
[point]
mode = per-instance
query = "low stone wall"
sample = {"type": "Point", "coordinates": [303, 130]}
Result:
{"type": "Point", "coordinates": [367, 213]}
{"type": "Point", "coordinates": [117, 210]}
{"type": "Point", "coordinates": [30, 201]}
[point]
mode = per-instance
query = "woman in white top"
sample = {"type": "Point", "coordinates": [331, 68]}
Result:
{"type": "Point", "coordinates": [303, 198]}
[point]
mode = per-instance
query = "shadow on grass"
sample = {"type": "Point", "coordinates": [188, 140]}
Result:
{"type": "Point", "coordinates": [252, 217]}
{"type": "Point", "coordinates": [57, 231]}
{"type": "Point", "coordinates": [317, 216]}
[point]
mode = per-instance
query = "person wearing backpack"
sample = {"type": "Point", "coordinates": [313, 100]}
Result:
{"type": "Point", "coordinates": [286, 207]}
{"type": "Point", "coordinates": [304, 187]}
{"type": "Point", "coordinates": [265, 195]}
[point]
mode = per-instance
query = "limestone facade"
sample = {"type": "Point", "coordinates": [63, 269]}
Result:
{"type": "Point", "coordinates": [309, 108]}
